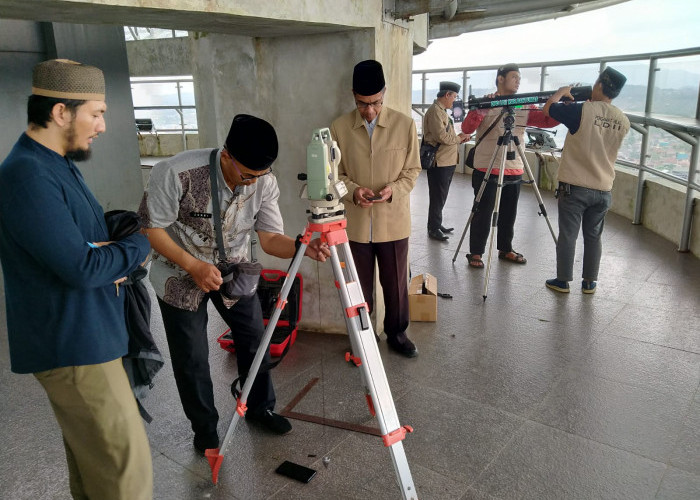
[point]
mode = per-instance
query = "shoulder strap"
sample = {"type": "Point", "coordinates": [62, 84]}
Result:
{"type": "Point", "coordinates": [215, 205]}
{"type": "Point", "coordinates": [488, 130]}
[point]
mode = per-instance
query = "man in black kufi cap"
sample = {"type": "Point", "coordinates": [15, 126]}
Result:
{"type": "Point", "coordinates": [439, 130]}
{"type": "Point", "coordinates": [65, 319]}
{"type": "Point", "coordinates": [488, 125]}
{"type": "Point", "coordinates": [586, 174]}
{"type": "Point", "coordinates": [178, 211]}
{"type": "Point", "coordinates": [379, 165]}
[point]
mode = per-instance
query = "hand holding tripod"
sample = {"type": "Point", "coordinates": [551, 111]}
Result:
{"type": "Point", "coordinates": [505, 148]}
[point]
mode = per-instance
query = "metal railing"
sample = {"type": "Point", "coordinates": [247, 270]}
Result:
{"type": "Point", "coordinates": [683, 128]}
{"type": "Point", "coordinates": [178, 108]}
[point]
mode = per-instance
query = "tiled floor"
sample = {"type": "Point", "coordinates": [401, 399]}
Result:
{"type": "Point", "coordinates": [529, 394]}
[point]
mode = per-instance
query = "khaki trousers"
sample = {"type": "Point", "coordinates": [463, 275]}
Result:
{"type": "Point", "coordinates": [106, 445]}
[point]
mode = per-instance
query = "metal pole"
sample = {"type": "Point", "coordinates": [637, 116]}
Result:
{"type": "Point", "coordinates": [643, 156]}
{"type": "Point", "coordinates": [182, 117]}
{"type": "Point", "coordinates": [689, 195]}
{"type": "Point", "coordinates": [465, 96]}
{"type": "Point", "coordinates": [543, 78]}
{"type": "Point", "coordinates": [689, 199]}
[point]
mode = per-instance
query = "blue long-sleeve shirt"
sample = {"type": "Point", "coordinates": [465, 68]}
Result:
{"type": "Point", "coordinates": [61, 303]}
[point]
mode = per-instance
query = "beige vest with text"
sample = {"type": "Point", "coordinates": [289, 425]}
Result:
{"type": "Point", "coordinates": [588, 158]}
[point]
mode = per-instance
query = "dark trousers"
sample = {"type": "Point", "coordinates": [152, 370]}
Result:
{"type": "Point", "coordinates": [507, 210]}
{"type": "Point", "coordinates": [439, 180]}
{"type": "Point", "coordinates": [392, 260]}
{"type": "Point", "coordinates": [189, 352]}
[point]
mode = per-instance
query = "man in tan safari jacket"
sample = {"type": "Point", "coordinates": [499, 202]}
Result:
{"type": "Point", "coordinates": [438, 128]}
{"type": "Point", "coordinates": [379, 165]}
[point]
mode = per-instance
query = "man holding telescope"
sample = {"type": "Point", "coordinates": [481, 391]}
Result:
{"type": "Point", "coordinates": [596, 130]}
{"type": "Point", "coordinates": [481, 121]}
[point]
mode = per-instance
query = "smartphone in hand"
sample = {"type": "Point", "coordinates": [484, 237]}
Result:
{"type": "Point", "coordinates": [295, 471]}
{"type": "Point", "coordinates": [374, 198]}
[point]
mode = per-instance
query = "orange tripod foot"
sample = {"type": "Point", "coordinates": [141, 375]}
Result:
{"type": "Point", "coordinates": [215, 460]}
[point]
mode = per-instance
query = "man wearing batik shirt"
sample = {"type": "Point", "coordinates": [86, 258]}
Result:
{"type": "Point", "coordinates": [178, 211]}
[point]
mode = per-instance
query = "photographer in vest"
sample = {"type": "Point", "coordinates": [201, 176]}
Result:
{"type": "Point", "coordinates": [586, 173]}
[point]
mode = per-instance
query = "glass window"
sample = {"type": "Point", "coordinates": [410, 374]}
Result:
{"type": "Point", "coordinates": [161, 94]}
{"type": "Point", "coordinates": [560, 76]}
{"type": "Point", "coordinates": [132, 33]}
{"type": "Point", "coordinates": [633, 96]}
{"type": "Point", "coordinates": [631, 147]}
{"type": "Point", "coordinates": [481, 82]}
{"type": "Point", "coordinates": [529, 80]}
{"type": "Point", "coordinates": [668, 154]}
{"type": "Point", "coordinates": [156, 93]}
{"type": "Point", "coordinates": [417, 94]}
{"type": "Point", "coordinates": [676, 90]}
{"type": "Point", "coordinates": [432, 83]}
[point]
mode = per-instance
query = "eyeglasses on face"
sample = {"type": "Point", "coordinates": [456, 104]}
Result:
{"type": "Point", "coordinates": [245, 177]}
{"type": "Point", "coordinates": [364, 105]}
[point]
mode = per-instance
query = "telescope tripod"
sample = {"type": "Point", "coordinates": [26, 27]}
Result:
{"type": "Point", "coordinates": [505, 146]}
{"type": "Point", "coordinates": [363, 343]}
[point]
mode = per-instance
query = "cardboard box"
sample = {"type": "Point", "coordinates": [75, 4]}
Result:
{"type": "Point", "coordinates": [422, 298]}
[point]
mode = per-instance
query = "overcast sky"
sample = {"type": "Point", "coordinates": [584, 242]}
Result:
{"type": "Point", "coordinates": [632, 27]}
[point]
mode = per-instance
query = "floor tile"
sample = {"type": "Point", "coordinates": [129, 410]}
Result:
{"type": "Point", "coordinates": [640, 420]}
{"type": "Point", "coordinates": [545, 463]}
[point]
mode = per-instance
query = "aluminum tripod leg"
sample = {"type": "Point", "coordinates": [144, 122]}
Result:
{"type": "Point", "coordinates": [503, 143]}
{"type": "Point", "coordinates": [543, 209]}
{"type": "Point", "coordinates": [364, 344]}
{"type": "Point", "coordinates": [215, 456]}
{"type": "Point", "coordinates": [363, 341]}
{"type": "Point", "coordinates": [477, 201]}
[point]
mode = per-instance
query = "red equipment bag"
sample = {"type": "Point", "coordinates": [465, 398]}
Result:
{"type": "Point", "coordinates": [269, 288]}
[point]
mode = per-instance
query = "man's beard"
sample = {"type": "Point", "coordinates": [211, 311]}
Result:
{"type": "Point", "coordinates": [73, 152]}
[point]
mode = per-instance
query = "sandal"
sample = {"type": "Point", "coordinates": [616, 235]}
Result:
{"type": "Point", "coordinates": [512, 256]}
{"type": "Point", "coordinates": [475, 261]}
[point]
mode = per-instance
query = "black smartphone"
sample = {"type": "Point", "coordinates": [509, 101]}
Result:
{"type": "Point", "coordinates": [374, 198]}
{"type": "Point", "coordinates": [295, 471]}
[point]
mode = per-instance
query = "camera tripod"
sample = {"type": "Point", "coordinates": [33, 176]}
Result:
{"type": "Point", "coordinates": [362, 341]}
{"type": "Point", "coordinates": [504, 145]}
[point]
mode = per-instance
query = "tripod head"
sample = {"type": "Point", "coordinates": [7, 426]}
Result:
{"type": "Point", "coordinates": [322, 187]}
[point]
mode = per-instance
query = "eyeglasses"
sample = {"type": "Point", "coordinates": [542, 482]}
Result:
{"type": "Point", "coordinates": [245, 177]}
{"type": "Point", "coordinates": [365, 105]}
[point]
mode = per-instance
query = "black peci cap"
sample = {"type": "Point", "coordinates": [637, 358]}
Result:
{"type": "Point", "coordinates": [446, 87]}
{"type": "Point", "coordinates": [612, 81]}
{"type": "Point", "coordinates": [368, 78]}
{"type": "Point", "coordinates": [252, 142]}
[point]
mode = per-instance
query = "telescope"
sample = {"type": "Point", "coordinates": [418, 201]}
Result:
{"type": "Point", "coordinates": [579, 94]}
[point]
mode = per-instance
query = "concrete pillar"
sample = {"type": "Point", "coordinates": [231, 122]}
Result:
{"type": "Point", "coordinates": [114, 172]}
{"type": "Point", "coordinates": [298, 83]}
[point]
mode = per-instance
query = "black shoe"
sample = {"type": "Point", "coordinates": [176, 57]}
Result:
{"type": "Point", "coordinates": [436, 234]}
{"type": "Point", "coordinates": [446, 229]}
{"type": "Point", "coordinates": [273, 422]}
{"type": "Point", "coordinates": [205, 441]}
{"type": "Point", "coordinates": [403, 345]}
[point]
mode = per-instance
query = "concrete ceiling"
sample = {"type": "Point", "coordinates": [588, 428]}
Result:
{"type": "Point", "coordinates": [454, 17]}
{"type": "Point", "coordinates": [217, 20]}
{"type": "Point", "coordinates": [446, 17]}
